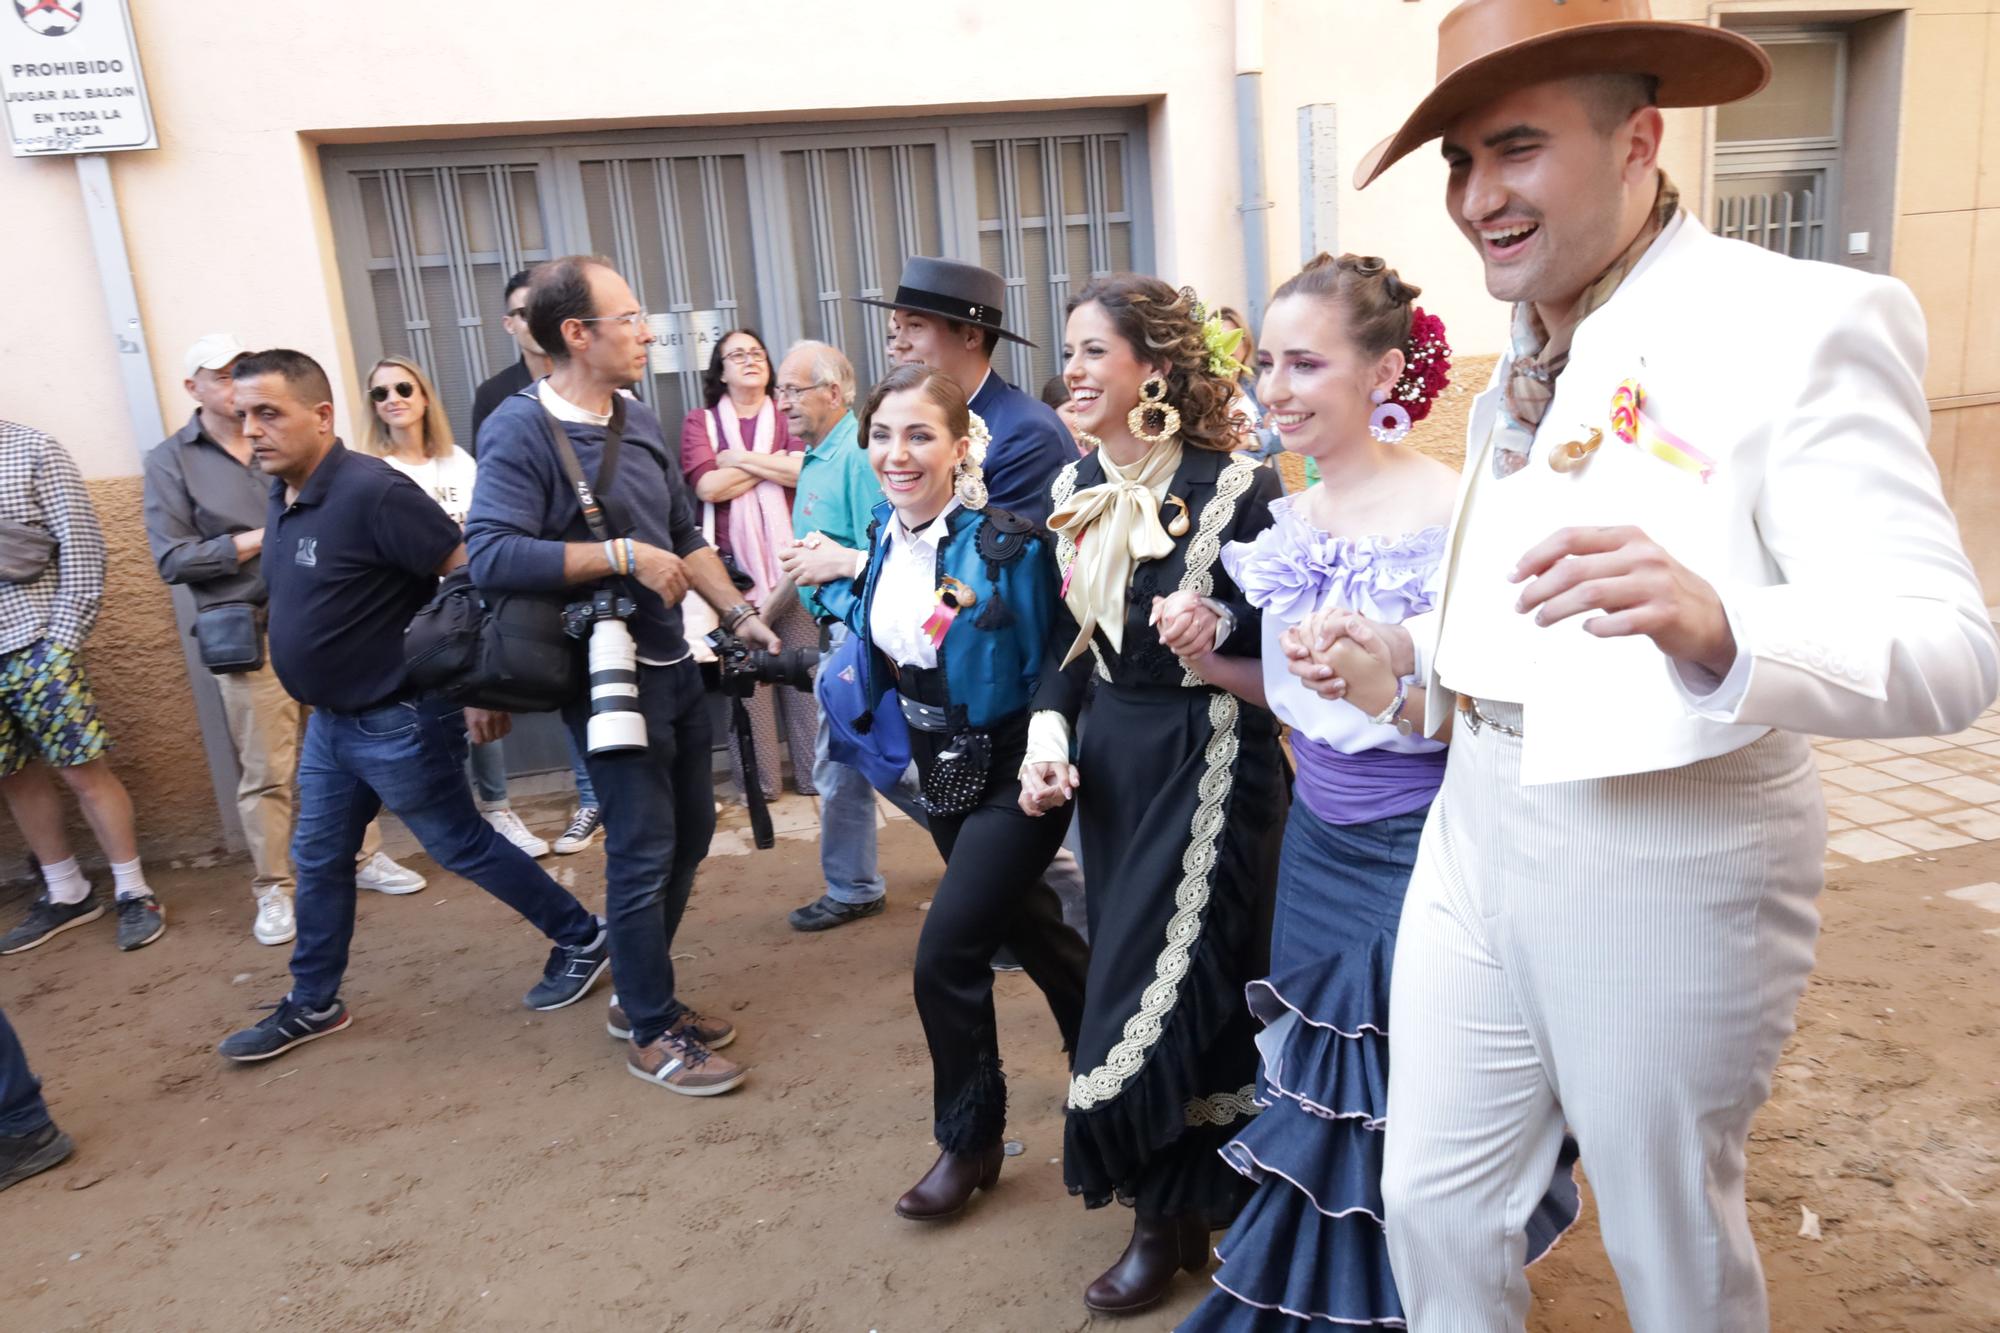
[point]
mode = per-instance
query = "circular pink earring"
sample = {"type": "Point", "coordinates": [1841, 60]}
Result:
{"type": "Point", "coordinates": [1389, 422]}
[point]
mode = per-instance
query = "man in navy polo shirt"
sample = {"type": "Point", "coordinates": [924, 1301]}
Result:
{"type": "Point", "coordinates": [352, 549]}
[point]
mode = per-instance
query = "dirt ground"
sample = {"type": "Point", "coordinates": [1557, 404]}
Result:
{"type": "Point", "coordinates": [456, 1162]}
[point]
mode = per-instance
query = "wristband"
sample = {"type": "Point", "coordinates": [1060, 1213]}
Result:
{"type": "Point", "coordinates": [611, 557]}
{"type": "Point", "coordinates": [736, 615]}
{"type": "Point", "coordinates": [631, 556]}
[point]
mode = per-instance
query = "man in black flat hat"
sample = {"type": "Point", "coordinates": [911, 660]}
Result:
{"type": "Point", "coordinates": [948, 317]}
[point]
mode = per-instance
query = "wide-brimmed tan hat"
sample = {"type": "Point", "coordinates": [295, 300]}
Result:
{"type": "Point", "coordinates": [1489, 48]}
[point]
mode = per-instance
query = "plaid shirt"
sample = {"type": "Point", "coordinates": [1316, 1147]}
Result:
{"type": "Point", "coordinates": [40, 486]}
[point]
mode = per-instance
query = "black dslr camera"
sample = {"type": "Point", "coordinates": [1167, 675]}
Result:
{"type": "Point", "coordinates": [604, 604]}
{"type": "Point", "coordinates": [740, 669]}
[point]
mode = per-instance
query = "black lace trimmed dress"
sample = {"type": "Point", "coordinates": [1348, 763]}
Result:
{"type": "Point", "coordinates": [1181, 807]}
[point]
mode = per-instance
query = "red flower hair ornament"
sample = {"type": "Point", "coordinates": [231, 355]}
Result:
{"type": "Point", "coordinates": [1427, 371]}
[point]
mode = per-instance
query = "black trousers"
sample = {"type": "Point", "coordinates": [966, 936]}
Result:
{"type": "Point", "coordinates": [992, 894]}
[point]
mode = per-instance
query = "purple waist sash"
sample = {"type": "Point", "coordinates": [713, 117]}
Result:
{"type": "Point", "coordinates": [1360, 788]}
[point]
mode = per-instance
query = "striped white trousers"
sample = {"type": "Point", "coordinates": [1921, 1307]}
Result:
{"type": "Point", "coordinates": [1622, 955]}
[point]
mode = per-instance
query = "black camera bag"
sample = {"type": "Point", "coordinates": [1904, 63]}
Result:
{"type": "Point", "coordinates": [508, 651]}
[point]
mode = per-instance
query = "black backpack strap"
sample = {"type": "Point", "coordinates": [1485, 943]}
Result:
{"type": "Point", "coordinates": [607, 470]}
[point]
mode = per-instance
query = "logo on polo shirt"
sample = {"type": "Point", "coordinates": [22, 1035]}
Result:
{"type": "Point", "coordinates": [307, 552]}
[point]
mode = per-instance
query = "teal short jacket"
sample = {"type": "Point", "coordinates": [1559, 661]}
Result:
{"type": "Point", "coordinates": [992, 654]}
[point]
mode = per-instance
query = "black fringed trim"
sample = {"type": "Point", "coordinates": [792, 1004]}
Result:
{"type": "Point", "coordinates": [977, 1116]}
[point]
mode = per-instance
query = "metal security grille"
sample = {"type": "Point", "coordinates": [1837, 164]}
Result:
{"type": "Point", "coordinates": [441, 241]}
{"type": "Point", "coordinates": [854, 214]}
{"type": "Point", "coordinates": [1053, 212]}
{"type": "Point", "coordinates": [1777, 154]}
{"type": "Point", "coordinates": [679, 229]}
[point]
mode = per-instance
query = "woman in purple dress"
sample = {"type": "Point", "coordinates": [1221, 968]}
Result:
{"type": "Point", "coordinates": [1347, 362]}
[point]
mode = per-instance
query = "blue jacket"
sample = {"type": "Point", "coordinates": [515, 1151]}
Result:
{"type": "Point", "coordinates": [1029, 446]}
{"type": "Point", "coordinates": [992, 655]}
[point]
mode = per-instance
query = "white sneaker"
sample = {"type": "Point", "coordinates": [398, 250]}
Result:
{"type": "Point", "coordinates": [275, 922]}
{"type": "Point", "coordinates": [381, 874]}
{"type": "Point", "coordinates": [509, 826]}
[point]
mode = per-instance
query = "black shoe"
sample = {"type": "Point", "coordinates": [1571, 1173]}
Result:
{"type": "Point", "coordinates": [287, 1026]}
{"type": "Point", "coordinates": [582, 831]}
{"type": "Point", "coordinates": [1004, 961]}
{"type": "Point", "coordinates": [46, 920]}
{"type": "Point", "coordinates": [140, 921]}
{"type": "Point", "coordinates": [829, 912]}
{"type": "Point", "coordinates": [24, 1155]}
{"type": "Point", "coordinates": [571, 972]}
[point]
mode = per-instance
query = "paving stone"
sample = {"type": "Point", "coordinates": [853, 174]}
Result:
{"type": "Point", "coordinates": [1867, 845]}
{"type": "Point", "coordinates": [1862, 752]}
{"type": "Point", "coordinates": [1925, 835]}
{"type": "Point", "coordinates": [1985, 895]}
{"type": "Point", "coordinates": [1827, 761]}
{"type": "Point", "coordinates": [1834, 824]}
{"type": "Point", "coordinates": [1971, 790]}
{"type": "Point", "coordinates": [1863, 777]}
{"type": "Point", "coordinates": [1977, 734]}
{"type": "Point", "coordinates": [1967, 761]}
{"type": "Point", "coordinates": [1981, 824]}
{"type": "Point", "coordinates": [1918, 800]}
{"type": "Point", "coordinates": [1990, 747]}
{"type": "Point", "coordinates": [1912, 769]}
{"type": "Point", "coordinates": [1916, 744]}
{"type": "Point", "coordinates": [1864, 809]}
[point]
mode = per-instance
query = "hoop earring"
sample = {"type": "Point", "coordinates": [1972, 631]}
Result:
{"type": "Point", "coordinates": [1389, 422]}
{"type": "Point", "coordinates": [969, 485]}
{"type": "Point", "coordinates": [1153, 400]}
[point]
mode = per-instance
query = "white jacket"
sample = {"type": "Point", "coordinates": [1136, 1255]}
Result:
{"type": "Point", "coordinates": [1822, 525]}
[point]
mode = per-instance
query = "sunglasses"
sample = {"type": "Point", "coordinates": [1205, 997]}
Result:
{"type": "Point", "coordinates": [380, 393]}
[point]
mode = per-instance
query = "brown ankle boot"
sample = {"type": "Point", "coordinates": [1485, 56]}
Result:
{"type": "Point", "coordinates": [947, 1187]}
{"type": "Point", "coordinates": [1145, 1271]}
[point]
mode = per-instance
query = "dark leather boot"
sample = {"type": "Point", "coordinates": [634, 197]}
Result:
{"type": "Point", "coordinates": [947, 1187]}
{"type": "Point", "coordinates": [1145, 1271]}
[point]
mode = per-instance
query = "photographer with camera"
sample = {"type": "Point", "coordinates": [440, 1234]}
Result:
{"type": "Point", "coordinates": [643, 723]}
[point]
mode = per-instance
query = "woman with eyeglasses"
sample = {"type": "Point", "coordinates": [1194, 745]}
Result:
{"type": "Point", "coordinates": [740, 458]}
{"type": "Point", "coordinates": [407, 429]}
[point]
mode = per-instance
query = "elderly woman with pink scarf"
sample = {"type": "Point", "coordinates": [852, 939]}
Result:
{"type": "Point", "coordinates": [740, 458]}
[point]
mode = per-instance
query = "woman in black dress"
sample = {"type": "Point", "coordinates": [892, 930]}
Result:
{"type": "Point", "coordinates": [1180, 786]}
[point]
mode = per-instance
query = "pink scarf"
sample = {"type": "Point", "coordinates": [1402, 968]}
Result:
{"type": "Point", "coordinates": [760, 519]}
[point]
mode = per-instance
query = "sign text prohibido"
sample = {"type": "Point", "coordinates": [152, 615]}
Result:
{"type": "Point", "coordinates": [69, 70]}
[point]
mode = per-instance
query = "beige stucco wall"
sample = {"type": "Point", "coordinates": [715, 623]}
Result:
{"type": "Point", "coordinates": [228, 227]}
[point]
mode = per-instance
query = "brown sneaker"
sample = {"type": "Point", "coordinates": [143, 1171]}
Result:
{"type": "Point", "coordinates": [682, 1065]}
{"type": "Point", "coordinates": [714, 1033]}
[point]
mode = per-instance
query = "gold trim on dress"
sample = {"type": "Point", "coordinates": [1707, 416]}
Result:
{"type": "Point", "coordinates": [1199, 577]}
{"type": "Point", "coordinates": [1224, 1107]}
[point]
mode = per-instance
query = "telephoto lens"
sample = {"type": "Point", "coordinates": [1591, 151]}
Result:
{"type": "Point", "coordinates": [616, 723]}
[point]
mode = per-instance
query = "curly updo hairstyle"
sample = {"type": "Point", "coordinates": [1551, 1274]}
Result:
{"type": "Point", "coordinates": [1159, 324]}
{"type": "Point", "coordinates": [1373, 300]}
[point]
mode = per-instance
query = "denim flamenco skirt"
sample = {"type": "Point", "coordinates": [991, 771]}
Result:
{"type": "Point", "coordinates": [1309, 1249]}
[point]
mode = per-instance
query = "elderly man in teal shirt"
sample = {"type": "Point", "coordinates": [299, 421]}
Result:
{"type": "Point", "coordinates": [830, 514]}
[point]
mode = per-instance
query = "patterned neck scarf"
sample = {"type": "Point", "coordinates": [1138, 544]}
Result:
{"type": "Point", "coordinates": [1540, 353]}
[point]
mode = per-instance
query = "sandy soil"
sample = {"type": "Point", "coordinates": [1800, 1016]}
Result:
{"type": "Point", "coordinates": [456, 1162]}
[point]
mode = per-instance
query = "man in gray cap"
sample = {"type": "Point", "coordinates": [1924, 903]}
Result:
{"type": "Point", "coordinates": [205, 502]}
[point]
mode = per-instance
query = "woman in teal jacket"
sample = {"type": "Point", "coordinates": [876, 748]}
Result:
{"type": "Point", "coordinates": [953, 609]}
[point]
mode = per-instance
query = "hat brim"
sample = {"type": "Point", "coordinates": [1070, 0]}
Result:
{"type": "Point", "coordinates": [917, 309]}
{"type": "Point", "coordinates": [1696, 66]}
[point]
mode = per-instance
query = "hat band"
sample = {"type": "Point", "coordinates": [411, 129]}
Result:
{"type": "Point", "coordinates": [951, 307]}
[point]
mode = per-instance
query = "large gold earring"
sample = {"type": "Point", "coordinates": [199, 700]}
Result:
{"type": "Point", "coordinates": [1153, 402]}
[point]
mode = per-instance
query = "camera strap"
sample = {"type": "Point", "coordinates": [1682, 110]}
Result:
{"type": "Point", "coordinates": [586, 495]}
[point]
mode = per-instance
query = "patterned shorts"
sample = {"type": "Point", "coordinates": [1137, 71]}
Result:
{"type": "Point", "coordinates": [47, 709]}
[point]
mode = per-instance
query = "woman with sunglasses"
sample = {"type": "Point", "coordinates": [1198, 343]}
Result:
{"type": "Point", "coordinates": [740, 458]}
{"type": "Point", "coordinates": [407, 429]}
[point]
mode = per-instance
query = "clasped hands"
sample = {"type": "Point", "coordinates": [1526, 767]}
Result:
{"type": "Point", "coordinates": [815, 559]}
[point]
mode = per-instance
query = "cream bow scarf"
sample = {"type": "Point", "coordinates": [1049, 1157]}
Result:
{"type": "Point", "coordinates": [1114, 525]}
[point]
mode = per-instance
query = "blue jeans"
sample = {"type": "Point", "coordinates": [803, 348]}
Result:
{"type": "Point", "coordinates": [409, 757]}
{"type": "Point", "coordinates": [488, 763]}
{"type": "Point", "coordinates": [847, 818]}
{"type": "Point", "coordinates": [586, 795]}
{"type": "Point", "coordinates": [659, 814]}
{"type": "Point", "coordinates": [21, 1108]}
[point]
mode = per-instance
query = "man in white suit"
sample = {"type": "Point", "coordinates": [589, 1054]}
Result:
{"type": "Point", "coordinates": [1698, 522]}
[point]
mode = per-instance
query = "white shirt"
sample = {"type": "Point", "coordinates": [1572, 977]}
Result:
{"type": "Point", "coordinates": [447, 479]}
{"type": "Point", "coordinates": [906, 590]}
